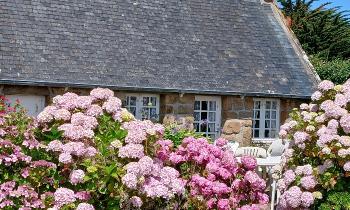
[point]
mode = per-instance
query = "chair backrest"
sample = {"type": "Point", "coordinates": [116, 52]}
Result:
{"type": "Point", "coordinates": [276, 148]}
{"type": "Point", "coordinates": [251, 151]}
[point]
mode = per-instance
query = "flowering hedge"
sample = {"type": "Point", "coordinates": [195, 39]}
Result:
{"type": "Point", "coordinates": [315, 170]}
{"type": "Point", "coordinates": [216, 180]}
{"type": "Point", "coordinates": [86, 152]}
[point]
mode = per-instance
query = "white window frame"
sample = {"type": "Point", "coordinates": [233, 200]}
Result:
{"type": "Point", "coordinates": [262, 119]}
{"type": "Point", "coordinates": [217, 99]}
{"type": "Point", "coordinates": [139, 104]}
{"type": "Point", "coordinates": [34, 104]}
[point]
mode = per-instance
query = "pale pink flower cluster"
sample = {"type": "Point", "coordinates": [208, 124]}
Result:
{"type": "Point", "coordinates": [23, 193]}
{"type": "Point", "coordinates": [317, 134]}
{"type": "Point", "coordinates": [138, 132]}
{"type": "Point", "coordinates": [12, 154]}
{"type": "Point", "coordinates": [76, 176]}
{"type": "Point", "coordinates": [152, 179]}
{"type": "Point", "coordinates": [64, 196]}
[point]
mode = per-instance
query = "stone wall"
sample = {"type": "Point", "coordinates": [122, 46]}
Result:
{"type": "Point", "coordinates": [286, 107]}
{"type": "Point", "coordinates": [236, 107]}
{"type": "Point", "coordinates": [177, 105]}
{"type": "Point", "coordinates": [238, 130]}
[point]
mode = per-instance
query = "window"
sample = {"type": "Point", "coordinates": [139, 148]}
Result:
{"type": "Point", "coordinates": [143, 106]}
{"type": "Point", "coordinates": [32, 103]}
{"type": "Point", "coordinates": [207, 115]}
{"type": "Point", "coordinates": [265, 119]}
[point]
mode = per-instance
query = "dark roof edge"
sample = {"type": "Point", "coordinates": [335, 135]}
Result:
{"type": "Point", "coordinates": [149, 89]}
{"type": "Point", "coordinates": [294, 41]}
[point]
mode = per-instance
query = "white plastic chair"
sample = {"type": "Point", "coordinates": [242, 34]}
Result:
{"type": "Point", "coordinates": [276, 148]}
{"type": "Point", "coordinates": [256, 152]}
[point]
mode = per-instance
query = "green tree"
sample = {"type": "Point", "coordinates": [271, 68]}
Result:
{"type": "Point", "coordinates": [321, 31]}
{"type": "Point", "coordinates": [324, 34]}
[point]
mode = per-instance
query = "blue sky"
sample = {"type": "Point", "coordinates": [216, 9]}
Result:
{"type": "Point", "coordinates": [345, 4]}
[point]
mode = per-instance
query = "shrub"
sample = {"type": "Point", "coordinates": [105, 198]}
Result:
{"type": "Point", "coordinates": [176, 133]}
{"type": "Point", "coordinates": [86, 152]}
{"type": "Point", "coordinates": [216, 180]}
{"type": "Point", "coordinates": [326, 69]}
{"type": "Point", "coordinates": [316, 168]}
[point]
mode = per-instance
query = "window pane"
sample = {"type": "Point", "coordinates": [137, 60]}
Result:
{"type": "Point", "coordinates": [203, 127]}
{"type": "Point", "coordinates": [132, 101]}
{"type": "Point", "coordinates": [256, 133]}
{"type": "Point", "coordinates": [273, 116]}
{"type": "Point", "coordinates": [204, 115]}
{"type": "Point", "coordinates": [197, 116]}
{"type": "Point", "coordinates": [256, 123]}
{"type": "Point", "coordinates": [273, 134]}
{"type": "Point", "coordinates": [257, 105]}
{"type": "Point", "coordinates": [204, 105]}
{"type": "Point", "coordinates": [197, 105]}
{"type": "Point", "coordinates": [145, 101]}
{"type": "Point", "coordinates": [154, 101]}
{"type": "Point", "coordinates": [212, 116]}
{"type": "Point", "coordinates": [274, 105]}
{"type": "Point", "coordinates": [212, 105]}
{"type": "Point", "coordinates": [267, 114]}
{"type": "Point", "coordinates": [257, 115]}
{"type": "Point", "coordinates": [268, 105]}
{"type": "Point", "coordinates": [267, 134]}
{"type": "Point", "coordinates": [145, 113]}
{"type": "Point", "coordinates": [126, 102]}
{"type": "Point", "coordinates": [132, 110]}
{"type": "Point", "coordinates": [153, 113]}
{"type": "Point", "coordinates": [267, 123]}
{"type": "Point", "coordinates": [273, 123]}
{"type": "Point", "coordinates": [211, 127]}
{"type": "Point", "coordinates": [196, 127]}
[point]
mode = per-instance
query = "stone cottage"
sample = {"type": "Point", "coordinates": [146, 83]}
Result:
{"type": "Point", "coordinates": [211, 60]}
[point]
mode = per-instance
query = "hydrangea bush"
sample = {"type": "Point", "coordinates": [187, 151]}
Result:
{"type": "Point", "coordinates": [216, 180]}
{"type": "Point", "coordinates": [86, 152]}
{"type": "Point", "coordinates": [316, 168]}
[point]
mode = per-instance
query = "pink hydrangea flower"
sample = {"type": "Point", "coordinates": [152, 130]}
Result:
{"type": "Point", "coordinates": [248, 162]}
{"type": "Point", "coordinates": [345, 123]}
{"type": "Point", "coordinates": [76, 176]}
{"type": "Point", "coordinates": [325, 85]}
{"type": "Point", "coordinates": [55, 146]}
{"type": "Point", "coordinates": [65, 158]}
{"type": "Point", "coordinates": [84, 102]}
{"type": "Point", "coordinates": [94, 111]}
{"type": "Point", "coordinates": [112, 105]}
{"type": "Point", "coordinates": [131, 151]}
{"type": "Point", "coordinates": [308, 182]}
{"type": "Point", "coordinates": [224, 204]}
{"type": "Point", "coordinates": [101, 93]}
{"type": "Point", "coordinates": [220, 142]}
{"type": "Point", "coordinates": [130, 180]}
{"type": "Point", "coordinates": [293, 197]}
{"type": "Point", "coordinates": [64, 196]}
{"type": "Point", "coordinates": [136, 201]}
{"type": "Point", "coordinates": [307, 199]}
{"type": "Point", "coordinates": [316, 96]}
{"type": "Point", "coordinates": [347, 166]}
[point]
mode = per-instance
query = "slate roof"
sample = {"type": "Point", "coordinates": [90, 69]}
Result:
{"type": "Point", "coordinates": [198, 46]}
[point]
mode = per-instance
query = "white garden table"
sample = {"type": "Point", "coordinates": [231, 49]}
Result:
{"type": "Point", "coordinates": [266, 164]}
